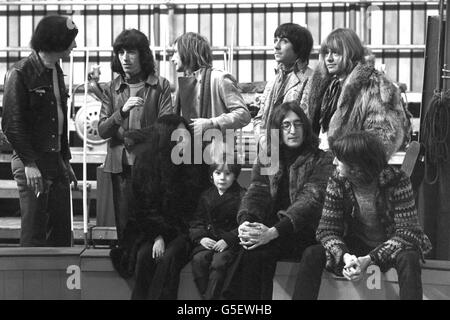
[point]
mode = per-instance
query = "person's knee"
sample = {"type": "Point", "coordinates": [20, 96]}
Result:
{"type": "Point", "coordinates": [314, 254]}
{"type": "Point", "coordinates": [219, 264]}
{"type": "Point", "coordinates": [199, 258]}
{"type": "Point", "coordinates": [408, 258]}
{"type": "Point", "coordinates": [255, 257]}
{"type": "Point", "coordinates": [144, 255]}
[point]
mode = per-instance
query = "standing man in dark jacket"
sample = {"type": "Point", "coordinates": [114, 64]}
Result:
{"type": "Point", "coordinates": [35, 123]}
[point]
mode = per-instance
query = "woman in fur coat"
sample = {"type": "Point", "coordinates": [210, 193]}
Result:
{"type": "Point", "coordinates": [156, 244]}
{"type": "Point", "coordinates": [280, 212]}
{"type": "Point", "coordinates": [348, 94]}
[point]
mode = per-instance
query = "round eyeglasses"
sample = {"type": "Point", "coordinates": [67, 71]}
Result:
{"type": "Point", "coordinates": [286, 125]}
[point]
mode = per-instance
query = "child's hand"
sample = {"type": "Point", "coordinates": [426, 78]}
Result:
{"type": "Point", "coordinates": [208, 243]}
{"type": "Point", "coordinates": [220, 245]}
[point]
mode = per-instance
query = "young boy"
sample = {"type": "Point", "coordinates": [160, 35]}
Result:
{"type": "Point", "coordinates": [214, 229]}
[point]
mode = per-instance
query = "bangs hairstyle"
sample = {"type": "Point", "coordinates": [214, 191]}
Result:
{"type": "Point", "coordinates": [362, 152]}
{"type": "Point", "coordinates": [220, 164]}
{"type": "Point", "coordinates": [309, 138]}
{"type": "Point", "coordinates": [132, 39]}
{"type": "Point", "coordinates": [194, 51]}
{"type": "Point", "coordinates": [300, 37]}
{"type": "Point", "coordinates": [53, 34]}
{"type": "Point", "coordinates": [346, 43]}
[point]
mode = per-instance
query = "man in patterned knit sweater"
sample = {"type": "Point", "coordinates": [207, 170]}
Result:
{"type": "Point", "coordinates": [369, 217]}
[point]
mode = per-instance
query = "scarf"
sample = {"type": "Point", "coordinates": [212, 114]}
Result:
{"type": "Point", "coordinates": [205, 94]}
{"type": "Point", "coordinates": [329, 103]}
{"type": "Point", "coordinates": [281, 83]}
{"type": "Point", "coordinates": [185, 99]}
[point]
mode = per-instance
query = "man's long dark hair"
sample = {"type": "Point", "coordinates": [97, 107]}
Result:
{"type": "Point", "coordinates": [362, 152]}
{"type": "Point", "coordinates": [310, 140]}
{"type": "Point", "coordinates": [132, 39]}
{"type": "Point", "coordinates": [156, 156]}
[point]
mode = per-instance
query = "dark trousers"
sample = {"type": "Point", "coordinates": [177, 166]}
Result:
{"type": "Point", "coordinates": [158, 279]}
{"type": "Point", "coordinates": [252, 274]}
{"type": "Point", "coordinates": [210, 268]}
{"type": "Point", "coordinates": [122, 197]}
{"type": "Point", "coordinates": [407, 265]}
{"type": "Point", "coordinates": [45, 220]}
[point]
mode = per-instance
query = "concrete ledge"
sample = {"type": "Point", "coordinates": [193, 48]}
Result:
{"type": "Point", "coordinates": [42, 273]}
{"type": "Point", "coordinates": [39, 273]}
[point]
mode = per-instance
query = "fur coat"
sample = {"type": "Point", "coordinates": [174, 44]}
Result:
{"type": "Point", "coordinates": [368, 101]}
{"type": "Point", "coordinates": [308, 177]}
{"type": "Point", "coordinates": [215, 217]}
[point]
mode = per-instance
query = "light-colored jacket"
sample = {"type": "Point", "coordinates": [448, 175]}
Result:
{"type": "Point", "coordinates": [229, 110]}
{"type": "Point", "coordinates": [295, 90]}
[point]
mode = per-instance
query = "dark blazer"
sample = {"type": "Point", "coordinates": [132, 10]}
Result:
{"type": "Point", "coordinates": [215, 217]}
{"type": "Point", "coordinates": [30, 115]}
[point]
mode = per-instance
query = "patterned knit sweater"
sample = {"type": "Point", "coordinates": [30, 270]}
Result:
{"type": "Point", "coordinates": [397, 211]}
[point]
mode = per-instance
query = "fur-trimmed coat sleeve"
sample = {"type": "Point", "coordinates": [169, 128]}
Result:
{"type": "Point", "coordinates": [307, 199]}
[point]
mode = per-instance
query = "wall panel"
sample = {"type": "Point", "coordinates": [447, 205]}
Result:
{"type": "Point", "coordinates": [246, 24]}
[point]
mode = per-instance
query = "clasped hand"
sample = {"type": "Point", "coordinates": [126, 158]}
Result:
{"type": "Point", "coordinates": [355, 266]}
{"type": "Point", "coordinates": [211, 244]}
{"type": "Point", "coordinates": [255, 234]}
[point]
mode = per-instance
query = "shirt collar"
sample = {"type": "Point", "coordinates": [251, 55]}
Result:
{"type": "Point", "coordinates": [38, 63]}
{"type": "Point", "coordinates": [296, 67]}
{"type": "Point", "coordinates": [152, 80]}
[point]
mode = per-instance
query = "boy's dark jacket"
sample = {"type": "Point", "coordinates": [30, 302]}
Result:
{"type": "Point", "coordinates": [215, 217]}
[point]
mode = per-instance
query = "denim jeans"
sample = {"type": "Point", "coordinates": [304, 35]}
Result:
{"type": "Point", "coordinates": [407, 265]}
{"type": "Point", "coordinates": [45, 220]}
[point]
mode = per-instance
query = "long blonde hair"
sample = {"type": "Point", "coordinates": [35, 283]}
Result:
{"type": "Point", "coordinates": [345, 42]}
{"type": "Point", "coordinates": [194, 51]}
